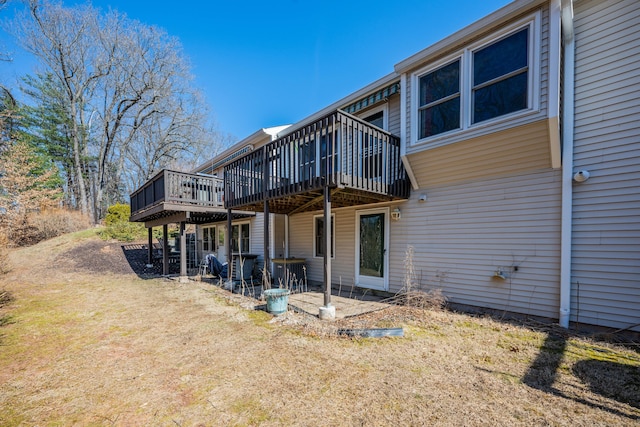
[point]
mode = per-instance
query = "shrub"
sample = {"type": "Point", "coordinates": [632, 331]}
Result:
{"type": "Point", "coordinates": [55, 222]}
{"type": "Point", "coordinates": [118, 226]}
{"type": "Point", "coordinates": [29, 229]}
{"type": "Point", "coordinates": [4, 254]}
{"type": "Point", "coordinates": [124, 231]}
{"type": "Point", "coordinates": [118, 213]}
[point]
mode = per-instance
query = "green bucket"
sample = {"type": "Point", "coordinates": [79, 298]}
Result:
{"type": "Point", "coordinates": [277, 300]}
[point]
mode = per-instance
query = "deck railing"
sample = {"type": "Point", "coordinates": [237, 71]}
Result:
{"type": "Point", "coordinates": [178, 188]}
{"type": "Point", "coordinates": [337, 150]}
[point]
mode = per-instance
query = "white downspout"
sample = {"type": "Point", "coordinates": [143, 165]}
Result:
{"type": "Point", "coordinates": [567, 161]}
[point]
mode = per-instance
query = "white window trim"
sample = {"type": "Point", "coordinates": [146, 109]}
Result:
{"type": "Point", "coordinates": [214, 239]}
{"type": "Point", "coordinates": [385, 114]}
{"type": "Point", "coordinates": [333, 232]}
{"type": "Point", "coordinates": [385, 278]}
{"type": "Point", "coordinates": [416, 92]}
{"type": "Point", "coordinates": [466, 70]}
{"type": "Point", "coordinates": [239, 224]}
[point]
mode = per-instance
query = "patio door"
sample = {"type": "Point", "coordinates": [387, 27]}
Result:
{"type": "Point", "coordinates": [372, 239]}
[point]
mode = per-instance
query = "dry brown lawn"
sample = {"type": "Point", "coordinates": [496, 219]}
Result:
{"type": "Point", "coordinates": [87, 342]}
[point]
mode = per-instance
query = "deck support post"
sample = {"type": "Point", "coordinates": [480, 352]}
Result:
{"type": "Point", "coordinates": [229, 254]}
{"type": "Point", "coordinates": [328, 311]}
{"type": "Point", "coordinates": [267, 256]}
{"type": "Point", "coordinates": [265, 186]}
{"type": "Point", "coordinates": [183, 250]}
{"type": "Point", "coordinates": [165, 250]}
{"type": "Point", "coordinates": [150, 248]}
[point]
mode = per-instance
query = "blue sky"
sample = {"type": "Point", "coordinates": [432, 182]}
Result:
{"type": "Point", "coordinates": [268, 63]}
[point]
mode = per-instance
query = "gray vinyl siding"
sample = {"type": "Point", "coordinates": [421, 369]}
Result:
{"type": "Point", "coordinates": [498, 125]}
{"type": "Point", "coordinates": [394, 115]}
{"type": "Point", "coordinates": [256, 233]}
{"type": "Point", "coordinates": [301, 241]}
{"type": "Point", "coordinates": [463, 232]}
{"type": "Point", "coordinates": [256, 237]}
{"type": "Point", "coordinates": [460, 236]}
{"type": "Point", "coordinates": [516, 150]}
{"type": "Point", "coordinates": [606, 208]}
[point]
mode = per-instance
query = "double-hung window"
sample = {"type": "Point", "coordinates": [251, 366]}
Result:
{"type": "Point", "coordinates": [240, 238]}
{"type": "Point", "coordinates": [208, 239]}
{"type": "Point", "coordinates": [501, 77]}
{"type": "Point", "coordinates": [485, 81]}
{"type": "Point", "coordinates": [439, 109]}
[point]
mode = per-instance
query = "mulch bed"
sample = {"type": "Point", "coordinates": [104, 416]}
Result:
{"type": "Point", "coordinates": [112, 257]}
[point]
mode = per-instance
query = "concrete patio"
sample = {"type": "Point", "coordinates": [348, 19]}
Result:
{"type": "Point", "coordinates": [310, 302]}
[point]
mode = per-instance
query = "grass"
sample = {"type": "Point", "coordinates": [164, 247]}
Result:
{"type": "Point", "coordinates": [118, 350]}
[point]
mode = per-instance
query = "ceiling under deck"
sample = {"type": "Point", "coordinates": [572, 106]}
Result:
{"type": "Point", "coordinates": [314, 201]}
{"type": "Point", "coordinates": [169, 213]}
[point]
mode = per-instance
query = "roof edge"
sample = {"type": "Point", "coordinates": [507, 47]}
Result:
{"type": "Point", "coordinates": [493, 19]}
{"type": "Point", "coordinates": [371, 87]}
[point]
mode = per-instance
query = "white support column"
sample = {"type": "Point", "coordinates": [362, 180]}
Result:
{"type": "Point", "coordinates": [328, 311]}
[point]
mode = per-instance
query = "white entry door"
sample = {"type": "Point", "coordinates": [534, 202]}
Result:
{"type": "Point", "coordinates": [222, 243]}
{"type": "Point", "coordinates": [372, 240]}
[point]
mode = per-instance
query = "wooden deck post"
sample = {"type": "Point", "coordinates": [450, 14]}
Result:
{"type": "Point", "coordinates": [229, 254]}
{"type": "Point", "coordinates": [165, 250]}
{"type": "Point", "coordinates": [265, 186]}
{"type": "Point", "coordinates": [150, 247]}
{"type": "Point", "coordinates": [183, 249]}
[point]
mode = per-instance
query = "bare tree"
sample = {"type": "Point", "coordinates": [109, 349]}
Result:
{"type": "Point", "coordinates": [148, 105]}
{"type": "Point", "coordinates": [128, 91]}
{"type": "Point", "coordinates": [64, 40]}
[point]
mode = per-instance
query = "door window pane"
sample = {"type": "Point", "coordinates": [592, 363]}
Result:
{"type": "Point", "coordinates": [372, 245]}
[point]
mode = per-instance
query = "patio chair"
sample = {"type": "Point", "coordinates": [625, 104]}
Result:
{"type": "Point", "coordinates": [203, 268]}
{"type": "Point", "coordinates": [215, 267]}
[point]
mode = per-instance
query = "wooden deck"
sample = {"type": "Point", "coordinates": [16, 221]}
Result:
{"type": "Point", "coordinates": [171, 196]}
{"type": "Point", "coordinates": [360, 162]}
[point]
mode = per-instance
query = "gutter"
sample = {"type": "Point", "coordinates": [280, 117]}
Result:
{"type": "Point", "coordinates": [568, 78]}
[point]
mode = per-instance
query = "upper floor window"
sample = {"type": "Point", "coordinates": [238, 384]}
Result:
{"type": "Point", "coordinates": [372, 164]}
{"type": "Point", "coordinates": [439, 109]}
{"type": "Point", "coordinates": [500, 77]}
{"type": "Point", "coordinates": [376, 119]}
{"type": "Point", "coordinates": [488, 80]}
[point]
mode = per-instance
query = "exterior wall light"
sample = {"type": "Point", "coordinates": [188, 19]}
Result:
{"type": "Point", "coordinates": [581, 176]}
{"type": "Point", "coordinates": [396, 214]}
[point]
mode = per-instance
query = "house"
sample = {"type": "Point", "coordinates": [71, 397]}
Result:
{"type": "Point", "coordinates": [506, 156]}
